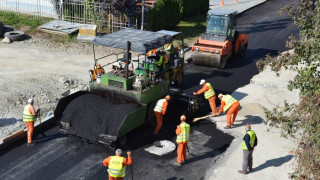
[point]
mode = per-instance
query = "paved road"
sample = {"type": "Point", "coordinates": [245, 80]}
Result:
{"type": "Point", "coordinates": [58, 157]}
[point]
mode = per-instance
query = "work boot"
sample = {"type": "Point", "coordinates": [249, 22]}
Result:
{"type": "Point", "coordinates": [227, 127]}
{"type": "Point", "coordinates": [241, 172]}
{"type": "Point", "coordinates": [30, 144]}
{"type": "Point", "coordinates": [177, 164]}
{"type": "Point", "coordinates": [232, 125]}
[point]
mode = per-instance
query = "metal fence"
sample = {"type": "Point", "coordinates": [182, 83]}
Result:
{"type": "Point", "coordinates": [79, 11]}
{"type": "Point", "coordinates": [39, 8]}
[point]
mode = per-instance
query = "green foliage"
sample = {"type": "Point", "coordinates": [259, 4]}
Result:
{"type": "Point", "coordinates": [192, 7]}
{"type": "Point", "coordinates": [164, 15]}
{"type": "Point", "coordinates": [18, 21]}
{"type": "Point", "coordinates": [304, 117]}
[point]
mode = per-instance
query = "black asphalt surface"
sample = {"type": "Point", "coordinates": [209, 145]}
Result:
{"type": "Point", "coordinates": [59, 157]}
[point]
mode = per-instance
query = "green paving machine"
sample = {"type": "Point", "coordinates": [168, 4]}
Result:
{"type": "Point", "coordinates": [133, 89]}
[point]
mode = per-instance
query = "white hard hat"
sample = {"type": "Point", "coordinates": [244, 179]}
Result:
{"type": "Point", "coordinates": [202, 81]}
{"type": "Point", "coordinates": [30, 100]}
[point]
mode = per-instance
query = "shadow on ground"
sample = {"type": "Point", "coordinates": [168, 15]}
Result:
{"type": "Point", "coordinates": [274, 162]}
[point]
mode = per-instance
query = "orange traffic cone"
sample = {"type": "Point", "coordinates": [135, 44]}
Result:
{"type": "Point", "coordinates": [236, 1]}
{"type": "Point", "coordinates": [222, 3]}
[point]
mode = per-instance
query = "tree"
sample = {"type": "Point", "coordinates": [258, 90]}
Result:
{"type": "Point", "coordinates": [305, 116]}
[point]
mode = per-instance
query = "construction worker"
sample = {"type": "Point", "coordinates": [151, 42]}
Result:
{"type": "Point", "coordinates": [30, 116]}
{"type": "Point", "coordinates": [97, 70]}
{"type": "Point", "coordinates": [159, 111]}
{"type": "Point", "coordinates": [208, 94]}
{"type": "Point", "coordinates": [163, 60]}
{"type": "Point", "coordinates": [228, 102]}
{"type": "Point", "coordinates": [169, 49]}
{"type": "Point", "coordinates": [183, 133]}
{"type": "Point", "coordinates": [117, 165]}
{"type": "Point", "coordinates": [249, 141]}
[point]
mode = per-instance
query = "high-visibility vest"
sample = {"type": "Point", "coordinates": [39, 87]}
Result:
{"type": "Point", "coordinates": [229, 100]}
{"type": "Point", "coordinates": [159, 62]}
{"type": "Point", "coordinates": [158, 108]}
{"type": "Point", "coordinates": [252, 135]}
{"type": "Point", "coordinates": [115, 167]}
{"type": "Point", "coordinates": [208, 94]}
{"type": "Point", "coordinates": [184, 135]}
{"type": "Point", "coordinates": [27, 116]}
{"type": "Point", "coordinates": [169, 48]}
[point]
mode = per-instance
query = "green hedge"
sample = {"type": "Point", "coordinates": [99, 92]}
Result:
{"type": "Point", "coordinates": [167, 13]}
{"type": "Point", "coordinates": [193, 7]}
{"type": "Point", "coordinates": [164, 15]}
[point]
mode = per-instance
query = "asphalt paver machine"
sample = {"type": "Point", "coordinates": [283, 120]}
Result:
{"type": "Point", "coordinates": [220, 41]}
{"type": "Point", "coordinates": [123, 99]}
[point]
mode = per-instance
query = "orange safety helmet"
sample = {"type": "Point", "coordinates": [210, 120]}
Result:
{"type": "Point", "coordinates": [98, 66]}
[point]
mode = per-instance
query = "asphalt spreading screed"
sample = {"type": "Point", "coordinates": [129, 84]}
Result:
{"type": "Point", "coordinates": [90, 115]}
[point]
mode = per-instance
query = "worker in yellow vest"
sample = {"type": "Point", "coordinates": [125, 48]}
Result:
{"type": "Point", "coordinates": [208, 94]}
{"type": "Point", "coordinates": [159, 111]}
{"type": "Point", "coordinates": [169, 49]}
{"type": "Point", "coordinates": [183, 133]}
{"type": "Point", "coordinates": [117, 165]}
{"type": "Point", "coordinates": [228, 102]}
{"type": "Point", "coordinates": [29, 117]}
{"type": "Point", "coordinates": [249, 141]}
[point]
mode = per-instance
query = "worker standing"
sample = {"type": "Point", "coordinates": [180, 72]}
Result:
{"type": "Point", "coordinates": [183, 133]}
{"type": "Point", "coordinates": [228, 102]}
{"type": "Point", "coordinates": [208, 94]}
{"type": "Point", "coordinates": [97, 70]}
{"type": "Point", "coordinates": [30, 116]}
{"type": "Point", "coordinates": [169, 49]}
{"type": "Point", "coordinates": [117, 165]}
{"type": "Point", "coordinates": [159, 111]}
{"type": "Point", "coordinates": [249, 141]}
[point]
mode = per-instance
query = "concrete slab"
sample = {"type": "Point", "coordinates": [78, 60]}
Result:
{"type": "Point", "coordinates": [271, 158]}
{"type": "Point", "coordinates": [240, 5]}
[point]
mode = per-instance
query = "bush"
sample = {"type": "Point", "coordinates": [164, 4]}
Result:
{"type": "Point", "coordinates": [192, 7]}
{"type": "Point", "coordinates": [164, 15]}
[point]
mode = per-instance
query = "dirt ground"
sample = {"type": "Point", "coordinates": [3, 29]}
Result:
{"type": "Point", "coordinates": [43, 70]}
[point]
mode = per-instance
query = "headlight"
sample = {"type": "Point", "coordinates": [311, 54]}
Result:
{"type": "Point", "coordinates": [216, 51]}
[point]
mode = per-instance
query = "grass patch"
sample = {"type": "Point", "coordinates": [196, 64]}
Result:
{"type": "Point", "coordinates": [192, 28]}
{"type": "Point", "coordinates": [28, 23]}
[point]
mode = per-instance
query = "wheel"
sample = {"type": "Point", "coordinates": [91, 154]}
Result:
{"type": "Point", "coordinates": [15, 35]}
{"type": "Point", "coordinates": [243, 50]}
{"type": "Point", "coordinates": [1, 29]}
{"type": "Point", "coordinates": [223, 62]}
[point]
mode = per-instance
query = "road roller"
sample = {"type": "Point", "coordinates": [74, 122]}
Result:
{"type": "Point", "coordinates": [220, 41]}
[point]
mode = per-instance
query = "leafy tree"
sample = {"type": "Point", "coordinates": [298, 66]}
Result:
{"type": "Point", "coordinates": [301, 120]}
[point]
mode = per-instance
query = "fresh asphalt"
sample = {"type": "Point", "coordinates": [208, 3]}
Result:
{"type": "Point", "coordinates": [60, 157]}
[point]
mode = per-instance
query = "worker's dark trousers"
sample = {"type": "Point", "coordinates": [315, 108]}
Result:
{"type": "Point", "coordinates": [247, 161]}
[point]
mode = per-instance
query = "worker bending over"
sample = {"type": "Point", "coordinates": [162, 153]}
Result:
{"type": "Point", "coordinates": [97, 70]}
{"type": "Point", "coordinates": [30, 116]}
{"type": "Point", "coordinates": [228, 102]}
{"type": "Point", "coordinates": [208, 94]}
{"type": "Point", "coordinates": [159, 111]}
{"type": "Point", "coordinates": [117, 165]}
{"type": "Point", "coordinates": [183, 133]}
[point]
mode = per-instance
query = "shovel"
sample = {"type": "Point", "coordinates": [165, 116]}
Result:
{"type": "Point", "coordinates": [203, 117]}
{"type": "Point", "coordinates": [40, 120]}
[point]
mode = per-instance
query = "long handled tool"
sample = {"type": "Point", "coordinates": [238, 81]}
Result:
{"type": "Point", "coordinates": [131, 172]}
{"type": "Point", "coordinates": [203, 117]}
{"type": "Point", "coordinates": [40, 120]}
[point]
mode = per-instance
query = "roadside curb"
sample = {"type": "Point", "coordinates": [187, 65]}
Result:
{"type": "Point", "coordinates": [10, 140]}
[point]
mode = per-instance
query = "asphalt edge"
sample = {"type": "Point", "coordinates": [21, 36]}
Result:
{"type": "Point", "coordinates": [10, 140]}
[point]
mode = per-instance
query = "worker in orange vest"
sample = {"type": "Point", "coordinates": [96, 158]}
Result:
{"type": "Point", "coordinates": [228, 102]}
{"type": "Point", "coordinates": [30, 116]}
{"type": "Point", "coordinates": [117, 165]}
{"type": "Point", "coordinates": [183, 133]}
{"type": "Point", "coordinates": [95, 71]}
{"type": "Point", "coordinates": [159, 111]}
{"type": "Point", "coordinates": [208, 94]}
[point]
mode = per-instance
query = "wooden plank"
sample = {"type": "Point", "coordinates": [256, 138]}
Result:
{"type": "Point", "coordinates": [14, 136]}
